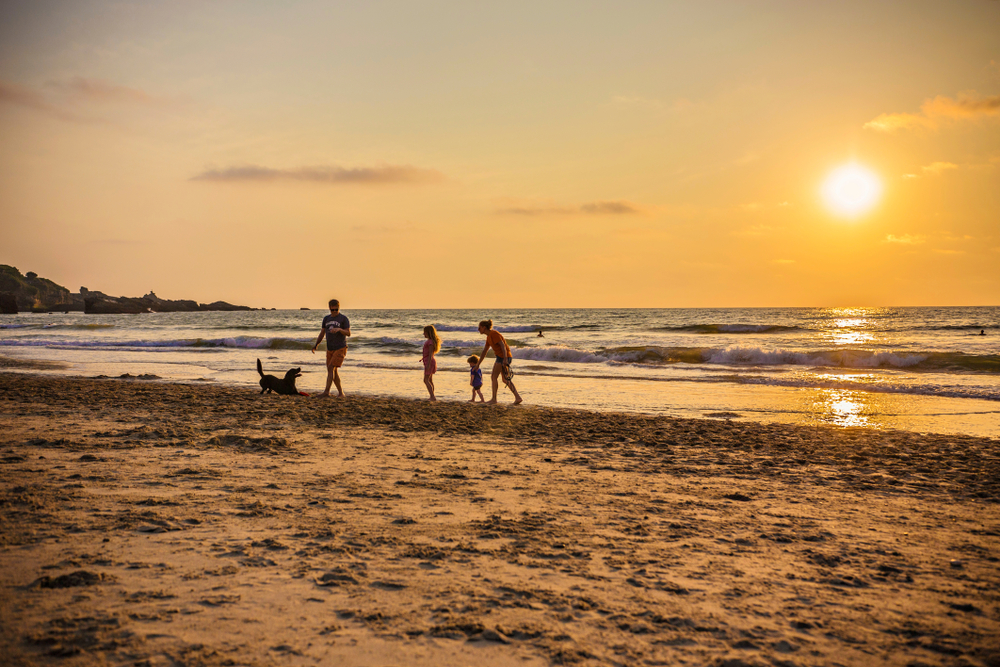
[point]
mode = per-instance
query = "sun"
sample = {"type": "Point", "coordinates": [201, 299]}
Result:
{"type": "Point", "coordinates": [851, 190]}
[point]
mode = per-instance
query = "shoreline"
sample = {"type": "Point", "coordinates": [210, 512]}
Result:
{"type": "Point", "coordinates": [199, 524]}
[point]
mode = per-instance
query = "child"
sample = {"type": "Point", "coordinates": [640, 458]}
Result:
{"type": "Point", "coordinates": [477, 379]}
{"type": "Point", "coordinates": [431, 347]}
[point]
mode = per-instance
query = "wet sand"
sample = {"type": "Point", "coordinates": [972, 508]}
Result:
{"type": "Point", "coordinates": [146, 523]}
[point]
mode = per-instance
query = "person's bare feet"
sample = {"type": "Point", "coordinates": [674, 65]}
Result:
{"type": "Point", "coordinates": [326, 395]}
{"type": "Point", "coordinates": [492, 402]}
{"type": "Point", "coordinates": [518, 402]}
{"type": "Point", "coordinates": [431, 399]}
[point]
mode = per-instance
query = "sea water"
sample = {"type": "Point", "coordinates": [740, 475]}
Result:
{"type": "Point", "coordinates": [922, 369]}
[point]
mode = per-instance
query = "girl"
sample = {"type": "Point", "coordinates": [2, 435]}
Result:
{"type": "Point", "coordinates": [502, 351]}
{"type": "Point", "coordinates": [431, 347]}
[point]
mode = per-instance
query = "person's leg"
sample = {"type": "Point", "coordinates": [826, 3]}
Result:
{"type": "Point", "coordinates": [336, 381]}
{"type": "Point", "coordinates": [517, 396]}
{"type": "Point", "coordinates": [473, 399]}
{"type": "Point", "coordinates": [430, 386]}
{"type": "Point", "coordinates": [495, 379]}
{"type": "Point", "coordinates": [329, 375]}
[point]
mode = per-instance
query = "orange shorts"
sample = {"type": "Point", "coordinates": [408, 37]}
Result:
{"type": "Point", "coordinates": [335, 358]}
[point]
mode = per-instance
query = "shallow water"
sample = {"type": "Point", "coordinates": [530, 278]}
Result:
{"type": "Point", "coordinates": [923, 369]}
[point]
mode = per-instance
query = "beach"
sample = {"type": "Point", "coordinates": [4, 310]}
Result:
{"type": "Point", "coordinates": [151, 523]}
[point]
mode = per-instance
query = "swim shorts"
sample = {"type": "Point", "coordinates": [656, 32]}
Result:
{"type": "Point", "coordinates": [335, 358]}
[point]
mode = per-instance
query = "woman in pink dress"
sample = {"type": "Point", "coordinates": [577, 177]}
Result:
{"type": "Point", "coordinates": [431, 347]}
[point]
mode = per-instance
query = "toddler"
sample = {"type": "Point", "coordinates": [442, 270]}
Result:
{"type": "Point", "coordinates": [476, 380]}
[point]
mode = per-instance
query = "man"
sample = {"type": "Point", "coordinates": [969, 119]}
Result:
{"type": "Point", "coordinates": [336, 328]}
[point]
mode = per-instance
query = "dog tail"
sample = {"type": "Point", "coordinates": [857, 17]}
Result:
{"type": "Point", "coordinates": [260, 369]}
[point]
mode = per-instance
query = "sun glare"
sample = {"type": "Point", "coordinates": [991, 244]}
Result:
{"type": "Point", "coordinates": [851, 190]}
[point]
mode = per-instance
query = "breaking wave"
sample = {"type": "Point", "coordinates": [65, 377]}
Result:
{"type": "Point", "coordinates": [236, 342]}
{"type": "Point", "coordinates": [731, 328]}
{"type": "Point", "coordinates": [754, 356]}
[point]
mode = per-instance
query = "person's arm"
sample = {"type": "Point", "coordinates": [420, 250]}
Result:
{"type": "Point", "coordinates": [319, 339]}
{"type": "Point", "coordinates": [482, 355]}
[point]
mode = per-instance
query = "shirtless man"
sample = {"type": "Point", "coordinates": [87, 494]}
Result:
{"type": "Point", "coordinates": [336, 328]}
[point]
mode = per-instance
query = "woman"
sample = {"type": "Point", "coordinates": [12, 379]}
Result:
{"type": "Point", "coordinates": [500, 348]}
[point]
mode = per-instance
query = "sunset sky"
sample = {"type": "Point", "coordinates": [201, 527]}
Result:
{"type": "Point", "coordinates": [535, 154]}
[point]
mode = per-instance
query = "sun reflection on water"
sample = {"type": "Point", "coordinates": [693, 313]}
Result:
{"type": "Point", "coordinates": [843, 408]}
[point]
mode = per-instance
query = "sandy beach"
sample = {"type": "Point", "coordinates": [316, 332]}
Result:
{"type": "Point", "coordinates": [147, 523]}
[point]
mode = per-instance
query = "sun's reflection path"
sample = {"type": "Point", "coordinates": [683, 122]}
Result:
{"type": "Point", "coordinates": [843, 408]}
{"type": "Point", "coordinates": [851, 326]}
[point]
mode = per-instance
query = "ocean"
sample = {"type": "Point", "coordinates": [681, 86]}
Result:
{"type": "Point", "coordinates": [919, 369]}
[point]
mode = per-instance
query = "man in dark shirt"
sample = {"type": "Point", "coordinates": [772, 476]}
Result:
{"type": "Point", "coordinates": [336, 328]}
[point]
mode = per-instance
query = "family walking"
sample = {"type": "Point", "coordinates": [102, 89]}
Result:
{"type": "Point", "coordinates": [337, 328]}
{"type": "Point", "coordinates": [501, 365]}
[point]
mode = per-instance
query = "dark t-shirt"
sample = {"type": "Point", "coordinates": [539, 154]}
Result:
{"type": "Point", "coordinates": [336, 341]}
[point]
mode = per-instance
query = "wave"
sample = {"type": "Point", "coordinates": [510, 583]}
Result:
{"type": "Point", "coordinates": [473, 328]}
{"type": "Point", "coordinates": [236, 342]}
{"type": "Point", "coordinates": [14, 326]}
{"type": "Point", "coordinates": [731, 328]}
{"type": "Point", "coordinates": [91, 325]}
{"type": "Point", "coordinates": [945, 391]}
{"type": "Point", "coordinates": [754, 356]}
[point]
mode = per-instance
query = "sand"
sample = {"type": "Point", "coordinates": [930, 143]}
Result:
{"type": "Point", "coordinates": [147, 523]}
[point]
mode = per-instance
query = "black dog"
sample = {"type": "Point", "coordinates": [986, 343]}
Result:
{"type": "Point", "coordinates": [284, 386]}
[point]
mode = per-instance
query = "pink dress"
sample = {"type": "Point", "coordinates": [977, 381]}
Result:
{"type": "Point", "coordinates": [430, 364]}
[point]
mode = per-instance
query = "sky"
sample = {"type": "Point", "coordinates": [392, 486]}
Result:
{"type": "Point", "coordinates": [398, 154]}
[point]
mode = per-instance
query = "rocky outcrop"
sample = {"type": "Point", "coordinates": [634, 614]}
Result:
{"type": "Point", "coordinates": [36, 295]}
{"type": "Point", "coordinates": [29, 293]}
{"type": "Point", "coordinates": [8, 304]}
{"type": "Point", "coordinates": [98, 303]}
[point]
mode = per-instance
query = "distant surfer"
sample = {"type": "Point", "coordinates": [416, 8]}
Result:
{"type": "Point", "coordinates": [540, 334]}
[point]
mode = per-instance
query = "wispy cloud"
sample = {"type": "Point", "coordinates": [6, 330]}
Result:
{"type": "Point", "coordinates": [933, 169]}
{"type": "Point", "coordinates": [22, 96]}
{"type": "Point", "coordinates": [905, 239]}
{"type": "Point", "coordinates": [81, 89]}
{"type": "Point", "coordinates": [936, 168]}
{"type": "Point", "coordinates": [592, 208]}
{"type": "Point", "coordinates": [783, 261]}
{"type": "Point", "coordinates": [74, 99]}
{"type": "Point", "coordinates": [382, 175]}
{"type": "Point", "coordinates": [935, 110]}
{"type": "Point", "coordinates": [638, 102]}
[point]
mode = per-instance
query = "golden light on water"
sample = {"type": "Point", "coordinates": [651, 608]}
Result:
{"type": "Point", "coordinates": [843, 408]}
{"type": "Point", "coordinates": [851, 190]}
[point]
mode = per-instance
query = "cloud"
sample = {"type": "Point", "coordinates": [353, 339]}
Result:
{"type": "Point", "coordinates": [635, 101]}
{"type": "Point", "coordinates": [29, 98]}
{"type": "Point", "coordinates": [386, 174]}
{"type": "Point", "coordinates": [905, 239]}
{"type": "Point", "coordinates": [610, 208]}
{"type": "Point", "coordinates": [783, 261]}
{"type": "Point", "coordinates": [63, 99]}
{"type": "Point", "coordinates": [967, 106]}
{"type": "Point", "coordinates": [592, 208]}
{"type": "Point", "coordinates": [933, 169]}
{"type": "Point", "coordinates": [104, 92]}
{"type": "Point", "coordinates": [936, 168]}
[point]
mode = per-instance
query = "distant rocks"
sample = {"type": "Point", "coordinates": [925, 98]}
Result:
{"type": "Point", "coordinates": [8, 304]}
{"type": "Point", "coordinates": [29, 293]}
